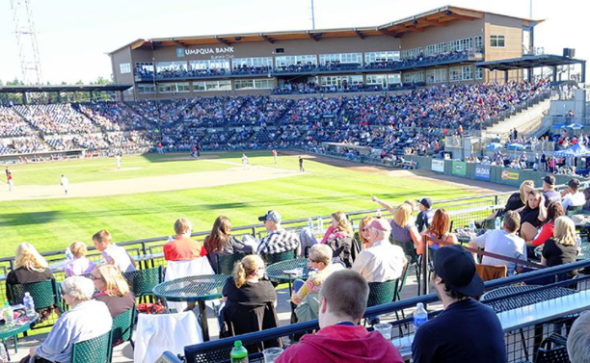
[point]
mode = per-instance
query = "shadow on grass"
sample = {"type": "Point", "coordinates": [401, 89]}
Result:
{"type": "Point", "coordinates": [209, 155]}
{"type": "Point", "coordinates": [21, 219]}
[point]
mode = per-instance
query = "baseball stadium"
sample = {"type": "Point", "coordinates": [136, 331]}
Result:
{"type": "Point", "coordinates": [415, 191]}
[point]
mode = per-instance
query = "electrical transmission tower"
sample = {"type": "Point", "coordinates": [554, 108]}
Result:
{"type": "Point", "coordinates": [26, 41]}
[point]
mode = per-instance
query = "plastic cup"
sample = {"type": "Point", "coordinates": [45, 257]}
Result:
{"type": "Point", "coordinates": [271, 354]}
{"type": "Point", "coordinates": [384, 329]}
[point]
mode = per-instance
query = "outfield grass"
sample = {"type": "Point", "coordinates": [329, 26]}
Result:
{"type": "Point", "coordinates": [53, 224]}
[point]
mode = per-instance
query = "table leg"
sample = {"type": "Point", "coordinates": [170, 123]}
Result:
{"type": "Point", "coordinates": [204, 323]}
{"type": "Point", "coordinates": [538, 339]}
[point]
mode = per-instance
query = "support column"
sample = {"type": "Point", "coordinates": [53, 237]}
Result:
{"type": "Point", "coordinates": [530, 72]}
{"type": "Point", "coordinates": [554, 74]}
{"type": "Point", "coordinates": [506, 76]}
{"type": "Point", "coordinates": [58, 97]}
{"type": "Point", "coordinates": [91, 96]}
{"type": "Point", "coordinates": [583, 75]}
{"type": "Point", "coordinates": [25, 100]}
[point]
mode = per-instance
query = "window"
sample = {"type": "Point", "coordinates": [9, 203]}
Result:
{"type": "Point", "coordinates": [384, 56]}
{"type": "Point", "coordinates": [146, 88]}
{"type": "Point", "coordinates": [343, 58]}
{"type": "Point", "coordinates": [455, 74]}
{"type": "Point", "coordinates": [383, 79]}
{"type": "Point", "coordinates": [467, 73]}
{"type": "Point", "coordinates": [125, 68]}
{"type": "Point", "coordinates": [437, 75]}
{"type": "Point", "coordinates": [296, 60]}
{"type": "Point", "coordinates": [182, 87]}
{"type": "Point", "coordinates": [497, 41]}
{"type": "Point", "coordinates": [171, 69]}
{"type": "Point", "coordinates": [413, 77]}
{"type": "Point", "coordinates": [173, 87]}
{"type": "Point", "coordinates": [243, 84]}
{"type": "Point", "coordinates": [478, 40]}
{"type": "Point", "coordinates": [202, 65]}
{"type": "Point", "coordinates": [252, 62]}
{"type": "Point", "coordinates": [412, 53]}
{"type": "Point", "coordinates": [212, 86]}
{"type": "Point", "coordinates": [339, 81]}
{"type": "Point", "coordinates": [478, 73]}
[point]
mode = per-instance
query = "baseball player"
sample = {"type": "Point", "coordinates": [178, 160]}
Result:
{"type": "Point", "coordinates": [10, 182]}
{"type": "Point", "coordinates": [118, 161]}
{"type": "Point", "coordinates": [274, 155]}
{"type": "Point", "coordinates": [244, 161]}
{"type": "Point", "coordinates": [65, 184]}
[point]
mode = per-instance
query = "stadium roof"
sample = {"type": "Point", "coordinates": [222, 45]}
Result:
{"type": "Point", "coordinates": [529, 61]}
{"type": "Point", "coordinates": [65, 88]}
{"type": "Point", "coordinates": [417, 23]}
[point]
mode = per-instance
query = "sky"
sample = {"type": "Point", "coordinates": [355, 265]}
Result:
{"type": "Point", "coordinates": [75, 35]}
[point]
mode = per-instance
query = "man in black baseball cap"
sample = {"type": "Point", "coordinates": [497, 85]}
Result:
{"type": "Point", "coordinates": [572, 196]}
{"type": "Point", "coordinates": [466, 331]}
{"type": "Point", "coordinates": [425, 215]}
{"type": "Point", "coordinates": [549, 190]}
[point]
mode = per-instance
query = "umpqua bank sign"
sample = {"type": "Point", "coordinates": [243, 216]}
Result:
{"type": "Point", "coordinates": [181, 52]}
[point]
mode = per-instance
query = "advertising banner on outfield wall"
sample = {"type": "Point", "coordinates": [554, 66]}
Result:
{"type": "Point", "coordinates": [460, 168]}
{"type": "Point", "coordinates": [438, 165]}
{"type": "Point", "coordinates": [482, 172]}
{"type": "Point", "coordinates": [509, 175]}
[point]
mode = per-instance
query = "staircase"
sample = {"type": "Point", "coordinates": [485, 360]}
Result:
{"type": "Point", "coordinates": [526, 121]}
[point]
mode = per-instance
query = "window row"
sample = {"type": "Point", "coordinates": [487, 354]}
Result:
{"type": "Point", "coordinates": [440, 48]}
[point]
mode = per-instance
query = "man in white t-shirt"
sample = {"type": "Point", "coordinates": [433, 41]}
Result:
{"type": "Point", "coordinates": [65, 183]}
{"type": "Point", "coordinates": [244, 161]}
{"type": "Point", "coordinates": [572, 196]}
{"type": "Point", "coordinates": [113, 254]}
{"type": "Point", "coordinates": [503, 242]}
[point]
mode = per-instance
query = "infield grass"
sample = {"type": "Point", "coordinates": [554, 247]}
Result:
{"type": "Point", "coordinates": [52, 224]}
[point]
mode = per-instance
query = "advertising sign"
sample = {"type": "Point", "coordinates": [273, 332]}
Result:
{"type": "Point", "coordinates": [482, 172]}
{"type": "Point", "coordinates": [509, 175]}
{"type": "Point", "coordinates": [438, 165]}
{"type": "Point", "coordinates": [459, 168]}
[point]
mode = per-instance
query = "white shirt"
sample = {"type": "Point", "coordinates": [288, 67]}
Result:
{"type": "Point", "coordinates": [64, 181]}
{"type": "Point", "coordinates": [380, 262]}
{"type": "Point", "coordinates": [573, 200]}
{"type": "Point", "coordinates": [119, 257]}
{"type": "Point", "coordinates": [87, 320]}
{"type": "Point", "coordinates": [500, 242]}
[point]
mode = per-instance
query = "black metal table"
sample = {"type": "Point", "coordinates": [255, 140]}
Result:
{"type": "Point", "coordinates": [524, 299]}
{"type": "Point", "coordinates": [194, 289]}
{"type": "Point", "coordinates": [276, 271]}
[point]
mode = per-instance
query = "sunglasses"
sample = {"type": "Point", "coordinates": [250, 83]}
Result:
{"type": "Point", "coordinates": [366, 229]}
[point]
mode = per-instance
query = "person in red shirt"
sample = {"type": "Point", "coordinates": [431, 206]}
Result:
{"type": "Point", "coordinates": [183, 247]}
{"type": "Point", "coordinates": [343, 300]}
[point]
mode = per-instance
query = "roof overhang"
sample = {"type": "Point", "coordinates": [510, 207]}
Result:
{"type": "Point", "coordinates": [65, 88]}
{"type": "Point", "coordinates": [529, 61]}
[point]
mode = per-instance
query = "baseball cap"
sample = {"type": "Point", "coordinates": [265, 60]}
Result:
{"type": "Point", "coordinates": [427, 202]}
{"type": "Point", "coordinates": [272, 216]}
{"type": "Point", "coordinates": [574, 183]}
{"type": "Point", "coordinates": [549, 179]}
{"type": "Point", "coordinates": [381, 225]}
{"type": "Point", "coordinates": [456, 267]}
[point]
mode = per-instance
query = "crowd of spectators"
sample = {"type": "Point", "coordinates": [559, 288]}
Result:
{"type": "Point", "coordinates": [12, 124]}
{"type": "Point", "coordinates": [55, 119]}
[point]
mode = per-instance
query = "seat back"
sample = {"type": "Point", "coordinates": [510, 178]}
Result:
{"type": "Point", "coordinates": [123, 326]}
{"type": "Point", "coordinates": [225, 264]}
{"type": "Point", "coordinates": [571, 210]}
{"type": "Point", "coordinates": [553, 350]}
{"type": "Point", "coordinates": [142, 282]}
{"type": "Point", "coordinates": [381, 292]}
{"type": "Point", "coordinates": [45, 293]}
{"type": "Point", "coordinates": [95, 350]}
{"type": "Point", "coordinates": [488, 273]}
{"type": "Point", "coordinates": [401, 282]}
{"type": "Point", "coordinates": [278, 257]}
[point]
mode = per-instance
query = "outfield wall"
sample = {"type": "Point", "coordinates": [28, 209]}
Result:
{"type": "Point", "coordinates": [489, 173]}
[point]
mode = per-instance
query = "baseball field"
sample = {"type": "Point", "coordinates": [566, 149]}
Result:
{"type": "Point", "coordinates": [148, 193]}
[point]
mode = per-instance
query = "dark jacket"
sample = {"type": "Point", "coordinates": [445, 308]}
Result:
{"type": "Point", "coordinates": [345, 248]}
{"type": "Point", "coordinates": [24, 276]}
{"type": "Point", "coordinates": [249, 309]}
{"type": "Point", "coordinates": [232, 246]}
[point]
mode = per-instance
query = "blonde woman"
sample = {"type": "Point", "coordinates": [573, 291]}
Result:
{"type": "Point", "coordinates": [562, 248]}
{"type": "Point", "coordinates": [29, 267]}
{"type": "Point", "coordinates": [249, 301]}
{"type": "Point", "coordinates": [80, 265]}
{"type": "Point", "coordinates": [363, 232]}
{"type": "Point", "coordinates": [516, 201]}
{"type": "Point", "coordinates": [113, 289]}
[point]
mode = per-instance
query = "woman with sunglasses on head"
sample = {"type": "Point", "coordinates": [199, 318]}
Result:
{"type": "Point", "coordinates": [363, 231]}
{"type": "Point", "coordinates": [113, 289]}
{"type": "Point", "coordinates": [320, 259]}
{"type": "Point", "coordinates": [250, 302]}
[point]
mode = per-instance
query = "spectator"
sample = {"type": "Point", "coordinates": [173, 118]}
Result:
{"type": "Point", "coordinates": [466, 330]}
{"type": "Point", "coordinates": [221, 243]}
{"type": "Point", "coordinates": [29, 267]}
{"type": "Point", "coordinates": [340, 238]}
{"type": "Point", "coordinates": [549, 192]}
{"type": "Point", "coordinates": [80, 265]}
{"type": "Point", "coordinates": [250, 302]}
{"type": "Point", "coordinates": [306, 300]}
{"type": "Point", "coordinates": [364, 231]}
{"type": "Point", "coordinates": [562, 248]}
{"type": "Point", "coordinates": [533, 215]}
{"type": "Point", "coordinates": [572, 197]}
{"type": "Point", "coordinates": [554, 211]}
{"type": "Point", "coordinates": [439, 229]}
{"type": "Point", "coordinates": [502, 242]}
{"type": "Point", "coordinates": [587, 196]}
{"type": "Point", "coordinates": [516, 201]}
{"type": "Point", "coordinates": [183, 247]}
{"type": "Point", "coordinates": [343, 297]}
{"type": "Point", "coordinates": [425, 215]}
{"type": "Point", "coordinates": [404, 233]}
{"type": "Point", "coordinates": [111, 253]}
{"type": "Point", "coordinates": [278, 239]}
{"type": "Point", "coordinates": [113, 289]}
{"type": "Point", "coordinates": [578, 340]}
{"type": "Point", "coordinates": [85, 320]}
{"type": "Point", "coordinates": [381, 261]}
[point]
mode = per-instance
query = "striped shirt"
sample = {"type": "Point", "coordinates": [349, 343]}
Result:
{"type": "Point", "coordinates": [278, 241]}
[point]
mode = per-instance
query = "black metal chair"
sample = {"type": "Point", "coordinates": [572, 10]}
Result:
{"type": "Point", "coordinates": [225, 263]}
{"type": "Point", "coordinates": [142, 282]}
{"type": "Point", "coordinates": [278, 257]}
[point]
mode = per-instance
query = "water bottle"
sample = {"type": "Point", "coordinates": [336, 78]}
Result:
{"type": "Point", "coordinates": [29, 304]}
{"type": "Point", "coordinates": [170, 239]}
{"type": "Point", "coordinates": [69, 255]}
{"type": "Point", "coordinates": [498, 224]}
{"type": "Point", "coordinates": [238, 354]}
{"type": "Point", "coordinates": [310, 224]}
{"type": "Point", "coordinates": [8, 314]}
{"type": "Point", "coordinates": [420, 316]}
{"type": "Point", "coordinates": [320, 225]}
{"type": "Point", "coordinates": [472, 226]}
